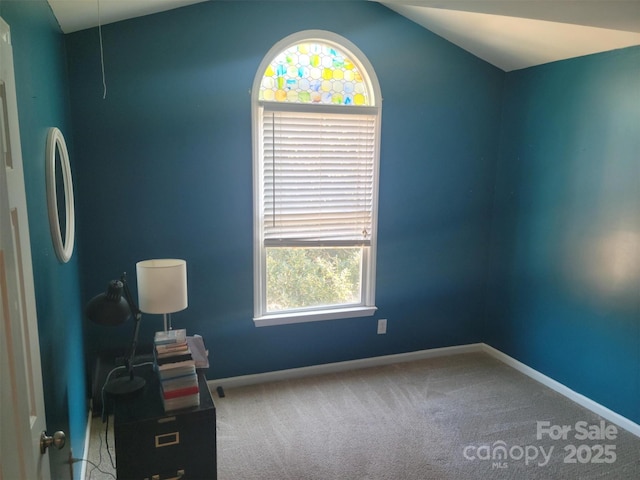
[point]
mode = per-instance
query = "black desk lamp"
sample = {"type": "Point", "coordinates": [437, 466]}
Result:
{"type": "Point", "coordinates": [110, 308]}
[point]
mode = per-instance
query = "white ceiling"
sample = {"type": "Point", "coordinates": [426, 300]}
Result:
{"type": "Point", "coordinates": [510, 34]}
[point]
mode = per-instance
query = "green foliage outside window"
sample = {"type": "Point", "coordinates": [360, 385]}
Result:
{"type": "Point", "coordinates": [312, 277]}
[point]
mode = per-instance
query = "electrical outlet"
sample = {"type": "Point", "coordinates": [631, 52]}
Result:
{"type": "Point", "coordinates": [382, 326]}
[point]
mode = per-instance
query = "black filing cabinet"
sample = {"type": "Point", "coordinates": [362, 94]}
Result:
{"type": "Point", "coordinates": [154, 445]}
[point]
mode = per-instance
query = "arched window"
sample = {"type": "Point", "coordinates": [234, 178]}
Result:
{"type": "Point", "coordinates": [316, 135]}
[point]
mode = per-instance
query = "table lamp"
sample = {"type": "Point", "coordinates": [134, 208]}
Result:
{"type": "Point", "coordinates": [162, 287]}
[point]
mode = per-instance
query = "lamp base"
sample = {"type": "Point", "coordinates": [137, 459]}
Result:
{"type": "Point", "coordinates": [124, 386]}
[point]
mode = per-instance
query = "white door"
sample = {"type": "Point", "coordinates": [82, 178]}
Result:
{"type": "Point", "coordinates": [21, 398]}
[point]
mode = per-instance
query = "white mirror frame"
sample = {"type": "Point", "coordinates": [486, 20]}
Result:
{"type": "Point", "coordinates": [57, 145]}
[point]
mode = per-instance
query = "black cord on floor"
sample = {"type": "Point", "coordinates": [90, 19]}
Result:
{"type": "Point", "coordinates": [106, 439]}
{"type": "Point", "coordinates": [95, 467]}
{"type": "Point", "coordinates": [99, 456]}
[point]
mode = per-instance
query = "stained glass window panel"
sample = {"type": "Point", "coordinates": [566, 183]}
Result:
{"type": "Point", "coordinates": [314, 73]}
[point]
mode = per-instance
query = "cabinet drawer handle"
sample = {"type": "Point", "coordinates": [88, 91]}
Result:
{"type": "Point", "coordinates": [167, 419]}
{"type": "Point", "coordinates": [167, 439]}
{"type": "Point", "coordinates": [179, 475]}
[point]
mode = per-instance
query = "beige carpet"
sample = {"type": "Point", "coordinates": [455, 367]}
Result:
{"type": "Point", "coordinates": [442, 418]}
{"type": "Point", "coordinates": [432, 419]}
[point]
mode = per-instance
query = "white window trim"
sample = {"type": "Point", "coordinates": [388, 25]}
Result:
{"type": "Point", "coordinates": [301, 317]}
{"type": "Point", "coordinates": [367, 306]}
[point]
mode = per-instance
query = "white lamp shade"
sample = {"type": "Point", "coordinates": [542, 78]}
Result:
{"type": "Point", "coordinates": [162, 285]}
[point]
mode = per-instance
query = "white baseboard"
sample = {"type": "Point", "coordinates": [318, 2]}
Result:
{"type": "Point", "coordinates": [87, 445]}
{"type": "Point", "coordinates": [244, 380]}
{"type": "Point", "coordinates": [604, 412]}
{"type": "Point", "coordinates": [580, 399]}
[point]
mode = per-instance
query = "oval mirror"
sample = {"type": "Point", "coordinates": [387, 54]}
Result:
{"type": "Point", "coordinates": [60, 195]}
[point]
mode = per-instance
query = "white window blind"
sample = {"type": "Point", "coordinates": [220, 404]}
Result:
{"type": "Point", "coordinates": [318, 178]}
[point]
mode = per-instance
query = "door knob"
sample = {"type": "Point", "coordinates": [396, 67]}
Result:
{"type": "Point", "coordinates": [58, 440]}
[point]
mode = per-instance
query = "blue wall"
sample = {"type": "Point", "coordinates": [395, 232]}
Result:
{"type": "Point", "coordinates": [566, 242]}
{"type": "Point", "coordinates": [165, 169]}
{"type": "Point", "coordinates": [42, 94]}
{"type": "Point", "coordinates": [162, 167]}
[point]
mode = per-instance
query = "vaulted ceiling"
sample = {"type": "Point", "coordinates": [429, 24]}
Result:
{"type": "Point", "coordinates": [510, 34]}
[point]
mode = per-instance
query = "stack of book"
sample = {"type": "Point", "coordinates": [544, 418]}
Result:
{"type": "Point", "coordinates": [176, 370]}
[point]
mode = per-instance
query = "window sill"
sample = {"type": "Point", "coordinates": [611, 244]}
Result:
{"type": "Point", "coordinates": [314, 316]}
